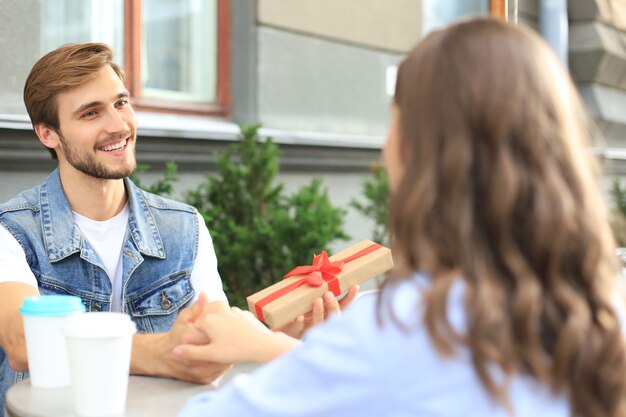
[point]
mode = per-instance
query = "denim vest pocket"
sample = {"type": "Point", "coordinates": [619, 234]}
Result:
{"type": "Point", "coordinates": [158, 307]}
{"type": "Point", "coordinates": [92, 301]}
{"type": "Point", "coordinates": [53, 286]}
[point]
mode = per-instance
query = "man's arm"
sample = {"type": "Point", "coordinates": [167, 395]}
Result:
{"type": "Point", "coordinates": [12, 340]}
{"type": "Point", "coordinates": [151, 354]}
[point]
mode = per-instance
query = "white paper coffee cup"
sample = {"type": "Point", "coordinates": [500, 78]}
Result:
{"type": "Point", "coordinates": [99, 348]}
{"type": "Point", "coordinates": [44, 320]}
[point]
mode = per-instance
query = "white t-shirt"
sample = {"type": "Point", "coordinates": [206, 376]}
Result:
{"type": "Point", "coordinates": [104, 237]}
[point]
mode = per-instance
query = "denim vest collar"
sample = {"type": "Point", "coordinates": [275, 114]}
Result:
{"type": "Point", "coordinates": [62, 236]}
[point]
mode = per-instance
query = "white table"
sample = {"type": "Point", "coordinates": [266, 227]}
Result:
{"type": "Point", "coordinates": [147, 396]}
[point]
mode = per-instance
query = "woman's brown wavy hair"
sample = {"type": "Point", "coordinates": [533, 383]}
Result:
{"type": "Point", "coordinates": [499, 186]}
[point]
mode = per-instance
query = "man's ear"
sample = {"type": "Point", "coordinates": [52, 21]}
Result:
{"type": "Point", "coordinates": [47, 135]}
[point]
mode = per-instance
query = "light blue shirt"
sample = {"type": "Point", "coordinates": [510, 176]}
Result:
{"type": "Point", "coordinates": [351, 366]}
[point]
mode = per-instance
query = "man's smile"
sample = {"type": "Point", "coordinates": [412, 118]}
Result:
{"type": "Point", "coordinates": [116, 146]}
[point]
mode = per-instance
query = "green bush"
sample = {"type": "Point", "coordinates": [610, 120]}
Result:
{"type": "Point", "coordinates": [376, 207]}
{"type": "Point", "coordinates": [259, 233]}
{"type": "Point", "coordinates": [163, 186]}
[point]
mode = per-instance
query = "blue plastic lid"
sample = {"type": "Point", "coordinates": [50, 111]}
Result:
{"type": "Point", "coordinates": [51, 305]}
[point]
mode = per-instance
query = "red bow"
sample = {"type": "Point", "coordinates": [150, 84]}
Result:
{"type": "Point", "coordinates": [321, 270]}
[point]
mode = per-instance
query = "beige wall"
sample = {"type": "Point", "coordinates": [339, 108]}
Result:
{"type": "Point", "coordinates": [392, 25]}
{"type": "Point", "coordinates": [614, 12]}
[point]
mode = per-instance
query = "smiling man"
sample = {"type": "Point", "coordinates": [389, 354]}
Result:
{"type": "Point", "coordinates": [89, 231]}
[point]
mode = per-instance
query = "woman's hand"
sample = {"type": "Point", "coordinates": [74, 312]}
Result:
{"type": "Point", "coordinates": [234, 336]}
{"type": "Point", "coordinates": [322, 309]}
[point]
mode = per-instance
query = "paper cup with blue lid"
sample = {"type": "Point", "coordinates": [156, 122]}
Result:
{"type": "Point", "coordinates": [44, 322]}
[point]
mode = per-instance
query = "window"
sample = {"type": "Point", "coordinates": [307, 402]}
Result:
{"type": "Point", "coordinates": [68, 21]}
{"type": "Point", "coordinates": [438, 13]}
{"type": "Point", "coordinates": [175, 52]}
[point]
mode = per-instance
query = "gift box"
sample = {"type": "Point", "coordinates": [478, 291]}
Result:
{"type": "Point", "coordinates": [282, 302]}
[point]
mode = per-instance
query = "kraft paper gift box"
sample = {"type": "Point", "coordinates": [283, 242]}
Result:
{"type": "Point", "coordinates": [282, 302]}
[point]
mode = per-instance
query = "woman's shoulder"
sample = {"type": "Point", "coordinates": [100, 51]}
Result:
{"type": "Point", "coordinates": [404, 301]}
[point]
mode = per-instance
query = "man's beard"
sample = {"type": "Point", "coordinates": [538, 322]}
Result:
{"type": "Point", "coordinates": [88, 165]}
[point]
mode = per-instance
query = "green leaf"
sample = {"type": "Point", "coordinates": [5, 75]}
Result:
{"type": "Point", "coordinates": [376, 207]}
{"type": "Point", "coordinates": [163, 186]}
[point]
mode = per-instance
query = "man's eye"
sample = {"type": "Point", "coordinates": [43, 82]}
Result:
{"type": "Point", "coordinates": [89, 114]}
{"type": "Point", "coordinates": [122, 103]}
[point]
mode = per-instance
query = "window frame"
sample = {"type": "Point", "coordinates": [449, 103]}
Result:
{"type": "Point", "coordinates": [132, 65]}
{"type": "Point", "coordinates": [499, 8]}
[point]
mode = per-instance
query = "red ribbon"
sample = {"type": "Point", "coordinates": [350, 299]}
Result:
{"type": "Point", "coordinates": [321, 270]}
{"type": "Point", "coordinates": [314, 275]}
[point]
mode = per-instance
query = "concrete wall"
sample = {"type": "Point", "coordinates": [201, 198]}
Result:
{"type": "Point", "coordinates": [312, 84]}
{"type": "Point", "coordinates": [527, 12]}
{"type": "Point", "coordinates": [244, 62]}
{"type": "Point", "coordinates": [322, 65]}
{"type": "Point", "coordinates": [392, 25]}
{"type": "Point", "coordinates": [19, 43]}
{"type": "Point", "coordinates": [597, 47]}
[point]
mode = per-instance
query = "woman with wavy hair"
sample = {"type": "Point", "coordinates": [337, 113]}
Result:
{"type": "Point", "coordinates": [503, 300]}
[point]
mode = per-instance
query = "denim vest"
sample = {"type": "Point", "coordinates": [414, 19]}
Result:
{"type": "Point", "coordinates": [159, 251]}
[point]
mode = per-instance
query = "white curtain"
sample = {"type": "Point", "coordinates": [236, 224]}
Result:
{"type": "Point", "coordinates": [179, 50]}
{"type": "Point", "coordinates": [438, 13]}
{"type": "Point", "coordinates": [71, 21]}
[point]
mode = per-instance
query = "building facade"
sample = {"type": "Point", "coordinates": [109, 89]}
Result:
{"type": "Point", "coordinates": [317, 75]}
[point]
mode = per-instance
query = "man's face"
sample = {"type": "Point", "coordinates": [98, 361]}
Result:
{"type": "Point", "coordinates": [97, 128]}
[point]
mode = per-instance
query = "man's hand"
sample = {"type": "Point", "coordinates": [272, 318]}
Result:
{"type": "Point", "coordinates": [322, 309]}
{"type": "Point", "coordinates": [12, 295]}
{"type": "Point", "coordinates": [236, 336]}
{"type": "Point", "coordinates": [152, 353]}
